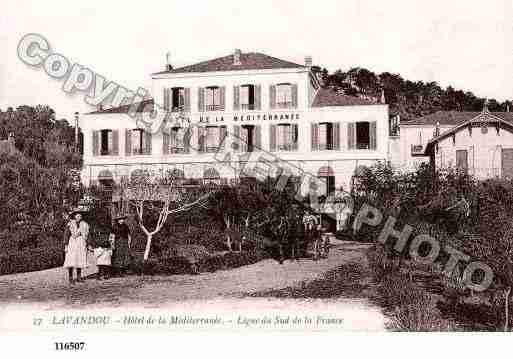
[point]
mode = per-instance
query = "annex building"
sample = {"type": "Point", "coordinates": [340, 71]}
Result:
{"type": "Point", "coordinates": [275, 107]}
{"type": "Point", "coordinates": [479, 143]}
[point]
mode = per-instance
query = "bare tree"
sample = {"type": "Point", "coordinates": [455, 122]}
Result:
{"type": "Point", "coordinates": [167, 198]}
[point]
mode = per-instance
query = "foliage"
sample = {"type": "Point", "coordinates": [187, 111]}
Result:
{"type": "Point", "coordinates": [409, 99]}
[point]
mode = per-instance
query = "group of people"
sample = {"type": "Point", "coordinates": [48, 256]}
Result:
{"type": "Point", "coordinates": [111, 254]}
{"type": "Point", "coordinates": [295, 231]}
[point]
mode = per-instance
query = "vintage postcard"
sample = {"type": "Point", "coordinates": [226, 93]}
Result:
{"type": "Point", "coordinates": [256, 167]}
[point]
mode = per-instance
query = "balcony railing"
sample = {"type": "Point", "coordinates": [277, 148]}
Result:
{"type": "Point", "coordinates": [417, 149]}
{"type": "Point", "coordinates": [178, 108]}
{"type": "Point", "coordinates": [247, 106]}
{"type": "Point", "coordinates": [325, 146]}
{"type": "Point", "coordinates": [287, 104]}
{"type": "Point", "coordinates": [214, 107]}
{"type": "Point", "coordinates": [177, 150]}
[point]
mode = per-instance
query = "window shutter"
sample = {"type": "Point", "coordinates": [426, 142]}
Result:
{"type": "Point", "coordinates": [336, 136]}
{"type": "Point", "coordinates": [201, 99]}
{"type": "Point", "coordinates": [222, 137]}
{"type": "Point", "coordinates": [167, 99]}
{"type": "Point", "coordinates": [294, 95]}
{"type": "Point", "coordinates": [115, 142]}
{"type": "Point", "coordinates": [222, 97]}
{"type": "Point", "coordinates": [201, 139]}
{"type": "Point", "coordinates": [315, 136]}
{"type": "Point", "coordinates": [187, 99]}
{"type": "Point", "coordinates": [258, 138]}
{"type": "Point", "coordinates": [236, 98]}
{"type": "Point", "coordinates": [372, 135]}
{"type": "Point", "coordinates": [272, 137]}
{"type": "Point", "coordinates": [237, 144]}
{"type": "Point", "coordinates": [351, 135]}
{"type": "Point", "coordinates": [165, 142]}
{"type": "Point", "coordinates": [272, 96]}
{"type": "Point", "coordinates": [258, 97]}
{"type": "Point", "coordinates": [96, 143]}
{"type": "Point", "coordinates": [187, 139]}
{"type": "Point", "coordinates": [147, 150]}
{"type": "Point", "coordinates": [128, 142]}
{"type": "Point", "coordinates": [295, 136]}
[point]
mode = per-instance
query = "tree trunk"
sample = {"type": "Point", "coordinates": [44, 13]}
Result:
{"type": "Point", "coordinates": [506, 309]}
{"type": "Point", "coordinates": [148, 246]}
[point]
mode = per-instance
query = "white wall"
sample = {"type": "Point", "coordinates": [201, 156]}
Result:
{"type": "Point", "coordinates": [484, 150]}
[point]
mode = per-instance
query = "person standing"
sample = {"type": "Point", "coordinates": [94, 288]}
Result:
{"type": "Point", "coordinates": [76, 236]}
{"type": "Point", "coordinates": [122, 245]}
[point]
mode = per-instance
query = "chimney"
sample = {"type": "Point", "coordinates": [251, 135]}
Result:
{"type": "Point", "coordinates": [437, 129]}
{"type": "Point", "coordinates": [11, 142]}
{"type": "Point", "coordinates": [169, 67]}
{"type": "Point", "coordinates": [507, 106]}
{"type": "Point", "coordinates": [308, 61]}
{"type": "Point", "coordinates": [236, 57]}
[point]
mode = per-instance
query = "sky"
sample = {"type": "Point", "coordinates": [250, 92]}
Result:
{"type": "Point", "coordinates": [467, 44]}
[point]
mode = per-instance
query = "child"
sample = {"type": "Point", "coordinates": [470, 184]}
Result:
{"type": "Point", "coordinates": [103, 255]}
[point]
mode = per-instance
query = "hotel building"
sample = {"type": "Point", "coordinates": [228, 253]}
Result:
{"type": "Point", "coordinates": [275, 106]}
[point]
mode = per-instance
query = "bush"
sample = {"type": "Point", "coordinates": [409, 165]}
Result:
{"type": "Point", "coordinates": [31, 260]}
{"type": "Point", "coordinates": [184, 265]}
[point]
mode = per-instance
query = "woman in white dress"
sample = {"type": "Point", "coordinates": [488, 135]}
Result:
{"type": "Point", "coordinates": [75, 245]}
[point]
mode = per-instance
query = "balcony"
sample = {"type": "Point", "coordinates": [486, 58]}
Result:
{"type": "Point", "coordinates": [287, 104]}
{"type": "Point", "coordinates": [247, 106]}
{"type": "Point", "coordinates": [417, 150]}
{"type": "Point", "coordinates": [214, 107]}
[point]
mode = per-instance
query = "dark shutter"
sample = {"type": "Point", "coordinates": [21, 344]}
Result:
{"type": "Point", "coordinates": [222, 97]}
{"type": "Point", "coordinates": [128, 142]}
{"type": "Point", "coordinates": [336, 136]}
{"type": "Point", "coordinates": [372, 135]}
{"type": "Point", "coordinates": [165, 142]}
{"type": "Point", "coordinates": [258, 97]}
{"type": "Point", "coordinates": [351, 135]}
{"type": "Point", "coordinates": [237, 143]}
{"type": "Point", "coordinates": [201, 99]}
{"type": "Point", "coordinates": [147, 150]}
{"type": "Point", "coordinates": [167, 98]}
{"type": "Point", "coordinates": [201, 139]}
{"type": "Point", "coordinates": [258, 138]}
{"type": "Point", "coordinates": [236, 98]}
{"type": "Point", "coordinates": [115, 142]}
{"type": "Point", "coordinates": [315, 136]}
{"type": "Point", "coordinates": [295, 137]}
{"type": "Point", "coordinates": [293, 88]}
{"type": "Point", "coordinates": [187, 139]}
{"type": "Point", "coordinates": [272, 138]}
{"type": "Point", "coordinates": [222, 137]}
{"type": "Point", "coordinates": [272, 96]}
{"type": "Point", "coordinates": [96, 143]}
{"type": "Point", "coordinates": [187, 99]}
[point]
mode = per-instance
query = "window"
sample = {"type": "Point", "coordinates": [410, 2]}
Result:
{"type": "Point", "coordinates": [247, 97]}
{"type": "Point", "coordinates": [248, 138]}
{"type": "Point", "coordinates": [213, 99]}
{"type": "Point", "coordinates": [138, 141]}
{"type": "Point", "coordinates": [327, 178]}
{"type": "Point", "coordinates": [177, 140]}
{"type": "Point", "coordinates": [106, 142]}
{"type": "Point", "coordinates": [362, 136]}
{"type": "Point", "coordinates": [211, 138]}
{"type": "Point", "coordinates": [285, 137]}
{"type": "Point", "coordinates": [325, 136]}
{"type": "Point", "coordinates": [177, 99]}
{"type": "Point", "coordinates": [211, 176]}
{"type": "Point", "coordinates": [284, 96]}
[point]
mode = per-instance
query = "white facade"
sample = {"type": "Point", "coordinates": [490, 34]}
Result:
{"type": "Point", "coordinates": [357, 134]}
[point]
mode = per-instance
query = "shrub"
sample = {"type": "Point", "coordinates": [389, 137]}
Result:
{"type": "Point", "coordinates": [31, 260]}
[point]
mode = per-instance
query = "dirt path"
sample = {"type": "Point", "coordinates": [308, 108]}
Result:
{"type": "Point", "coordinates": [342, 279]}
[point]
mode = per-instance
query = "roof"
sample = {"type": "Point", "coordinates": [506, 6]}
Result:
{"type": "Point", "coordinates": [505, 118]}
{"type": "Point", "coordinates": [143, 106]}
{"type": "Point", "coordinates": [248, 61]}
{"type": "Point", "coordinates": [330, 97]}
{"type": "Point", "coordinates": [454, 118]}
